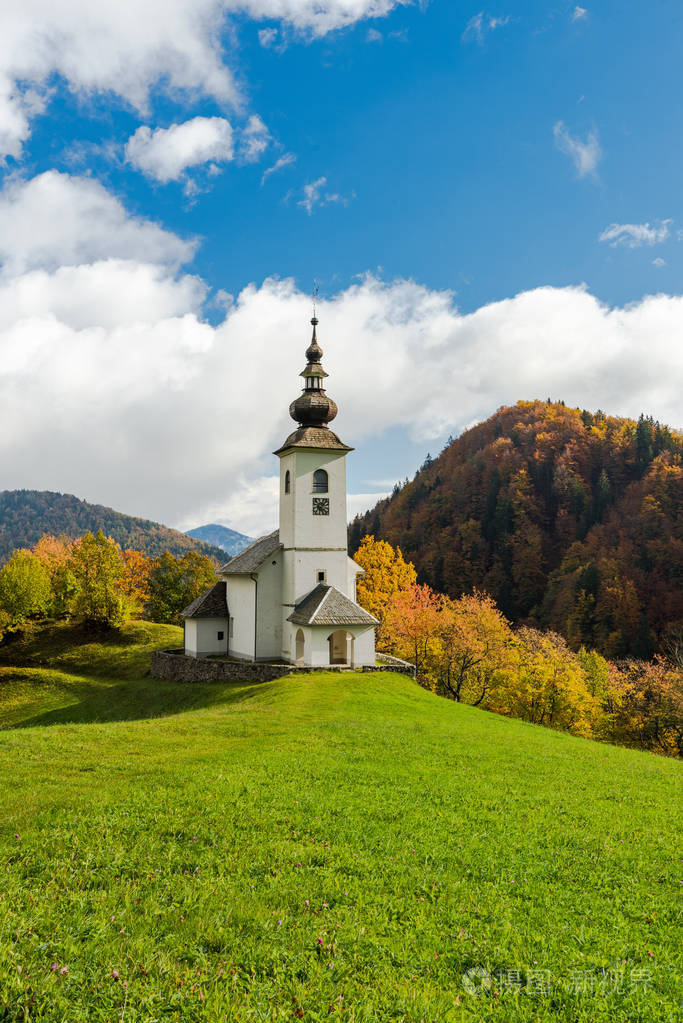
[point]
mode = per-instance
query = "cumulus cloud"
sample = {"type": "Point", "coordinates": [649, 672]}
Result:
{"type": "Point", "coordinates": [165, 153]}
{"type": "Point", "coordinates": [129, 47]}
{"type": "Point", "coordinates": [635, 235]}
{"type": "Point", "coordinates": [58, 220]}
{"type": "Point", "coordinates": [584, 154]}
{"type": "Point", "coordinates": [579, 13]}
{"type": "Point", "coordinates": [127, 396]}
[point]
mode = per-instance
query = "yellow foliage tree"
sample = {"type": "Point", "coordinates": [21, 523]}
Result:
{"type": "Point", "coordinates": [552, 686]}
{"type": "Point", "coordinates": [134, 583]}
{"type": "Point", "coordinates": [475, 648]}
{"type": "Point", "coordinates": [385, 573]}
{"type": "Point", "coordinates": [54, 553]}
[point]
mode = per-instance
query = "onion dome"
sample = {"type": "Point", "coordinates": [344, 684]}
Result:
{"type": "Point", "coordinates": [313, 407]}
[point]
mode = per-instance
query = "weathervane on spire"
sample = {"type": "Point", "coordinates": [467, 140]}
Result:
{"type": "Point", "coordinates": [315, 297]}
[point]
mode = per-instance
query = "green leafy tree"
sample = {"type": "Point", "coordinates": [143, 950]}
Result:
{"type": "Point", "coordinates": [176, 582]}
{"type": "Point", "coordinates": [97, 566]}
{"type": "Point", "coordinates": [25, 590]}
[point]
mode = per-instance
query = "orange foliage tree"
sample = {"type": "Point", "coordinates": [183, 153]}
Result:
{"type": "Point", "coordinates": [134, 583]}
{"type": "Point", "coordinates": [410, 626]}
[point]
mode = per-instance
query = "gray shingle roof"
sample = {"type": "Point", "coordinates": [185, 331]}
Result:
{"type": "Point", "coordinates": [211, 604]}
{"type": "Point", "coordinates": [248, 560]}
{"type": "Point", "coordinates": [314, 437]}
{"type": "Point", "coordinates": [326, 605]}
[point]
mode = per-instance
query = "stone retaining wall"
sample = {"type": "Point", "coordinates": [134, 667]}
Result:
{"type": "Point", "coordinates": [174, 666]}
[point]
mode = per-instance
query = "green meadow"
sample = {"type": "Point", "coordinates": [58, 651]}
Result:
{"type": "Point", "coordinates": [322, 847]}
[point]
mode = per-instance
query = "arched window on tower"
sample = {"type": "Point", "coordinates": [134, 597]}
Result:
{"type": "Point", "coordinates": [287, 481]}
{"type": "Point", "coordinates": [319, 481]}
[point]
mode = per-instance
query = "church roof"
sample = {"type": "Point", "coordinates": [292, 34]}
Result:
{"type": "Point", "coordinates": [326, 605]}
{"type": "Point", "coordinates": [211, 604]}
{"type": "Point", "coordinates": [248, 560]}
{"type": "Point", "coordinates": [314, 437]}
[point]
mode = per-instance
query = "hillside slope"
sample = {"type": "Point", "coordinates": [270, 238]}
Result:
{"type": "Point", "coordinates": [569, 519]}
{"type": "Point", "coordinates": [25, 515]}
{"type": "Point", "coordinates": [229, 540]}
{"type": "Point", "coordinates": [317, 846]}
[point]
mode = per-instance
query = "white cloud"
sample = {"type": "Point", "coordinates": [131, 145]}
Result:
{"type": "Point", "coordinates": [373, 36]}
{"type": "Point", "coordinates": [659, 262]}
{"type": "Point", "coordinates": [165, 153]}
{"type": "Point", "coordinates": [129, 47]}
{"type": "Point", "coordinates": [126, 396]}
{"type": "Point", "coordinates": [315, 194]}
{"type": "Point", "coordinates": [255, 140]}
{"type": "Point", "coordinates": [585, 155]}
{"type": "Point", "coordinates": [268, 37]}
{"type": "Point", "coordinates": [283, 161]}
{"type": "Point", "coordinates": [635, 235]}
{"type": "Point", "coordinates": [57, 220]}
{"type": "Point", "coordinates": [579, 13]}
{"type": "Point", "coordinates": [481, 24]}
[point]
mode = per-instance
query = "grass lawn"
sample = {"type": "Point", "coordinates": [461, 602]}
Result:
{"type": "Point", "coordinates": [320, 847]}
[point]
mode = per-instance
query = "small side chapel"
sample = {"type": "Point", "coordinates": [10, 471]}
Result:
{"type": "Point", "coordinates": [291, 595]}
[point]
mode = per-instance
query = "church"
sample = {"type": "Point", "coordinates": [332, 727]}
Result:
{"type": "Point", "coordinates": [291, 595]}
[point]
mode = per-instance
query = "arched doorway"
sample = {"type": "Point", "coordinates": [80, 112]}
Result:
{"type": "Point", "coordinates": [341, 647]}
{"type": "Point", "coordinates": [300, 644]}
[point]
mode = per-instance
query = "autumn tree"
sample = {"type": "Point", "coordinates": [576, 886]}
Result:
{"type": "Point", "coordinates": [54, 554]}
{"type": "Point", "coordinates": [649, 706]}
{"type": "Point", "coordinates": [176, 582]}
{"type": "Point", "coordinates": [97, 566]}
{"type": "Point", "coordinates": [410, 626]}
{"type": "Point", "coordinates": [551, 687]}
{"type": "Point", "coordinates": [25, 590]}
{"type": "Point", "coordinates": [385, 573]}
{"type": "Point", "coordinates": [134, 583]}
{"type": "Point", "coordinates": [475, 646]}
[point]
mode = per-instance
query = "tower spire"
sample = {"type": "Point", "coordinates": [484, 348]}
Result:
{"type": "Point", "coordinates": [313, 407]}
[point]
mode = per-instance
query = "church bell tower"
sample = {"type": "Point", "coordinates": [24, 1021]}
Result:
{"type": "Point", "coordinates": [313, 491]}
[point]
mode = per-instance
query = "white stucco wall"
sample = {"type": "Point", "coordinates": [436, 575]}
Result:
{"type": "Point", "coordinates": [363, 647]}
{"type": "Point", "coordinates": [190, 637]}
{"type": "Point", "coordinates": [269, 614]}
{"type": "Point", "coordinates": [240, 596]}
{"type": "Point", "coordinates": [299, 527]}
{"type": "Point", "coordinates": [352, 572]}
{"type": "Point", "coordinates": [201, 636]}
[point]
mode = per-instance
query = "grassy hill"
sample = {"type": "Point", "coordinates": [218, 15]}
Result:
{"type": "Point", "coordinates": [25, 515]}
{"type": "Point", "coordinates": [328, 846]}
{"type": "Point", "coordinates": [571, 520]}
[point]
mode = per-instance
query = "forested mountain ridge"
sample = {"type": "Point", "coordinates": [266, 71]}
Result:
{"type": "Point", "coordinates": [26, 515]}
{"type": "Point", "coordinates": [569, 519]}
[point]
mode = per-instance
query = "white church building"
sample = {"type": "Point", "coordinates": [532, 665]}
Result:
{"type": "Point", "coordinates": [291, 595]}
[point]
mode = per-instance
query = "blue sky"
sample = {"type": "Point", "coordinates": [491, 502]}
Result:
{"type": "Point", "coordinates": [520, 165]}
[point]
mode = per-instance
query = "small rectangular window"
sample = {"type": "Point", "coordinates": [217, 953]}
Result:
{"type": "Point", "coordinates": [221, 635]}
{"type": "Point", "coordinates": [322, 576]}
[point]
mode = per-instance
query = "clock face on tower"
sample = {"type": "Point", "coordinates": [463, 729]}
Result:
{"type": "Point", "coordinates": [321, 506]}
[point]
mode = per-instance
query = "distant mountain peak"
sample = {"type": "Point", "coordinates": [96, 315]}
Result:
{"type": "Point", "coordinates": [229, 540]}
